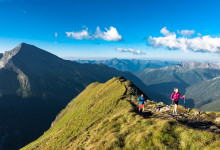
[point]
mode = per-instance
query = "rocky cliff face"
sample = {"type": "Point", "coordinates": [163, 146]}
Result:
{"type": "Point", "coordinates": [7, 56]}
{"type": "Point", "coordinates": [6, 62]}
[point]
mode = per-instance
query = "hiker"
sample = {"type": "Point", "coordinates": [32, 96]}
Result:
{"type": "Point", "coordinates": [141, 100]}
{"type": "Point", "coordinates": [175, 98]}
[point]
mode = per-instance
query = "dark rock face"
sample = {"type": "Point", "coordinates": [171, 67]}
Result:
{"type": "Point", "coordinates": [35, 85]}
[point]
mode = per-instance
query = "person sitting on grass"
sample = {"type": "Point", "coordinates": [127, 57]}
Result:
{"type": "Point", "coordinates": [141, 100]}
{"type": "Point", "coordinates": [175, 98]}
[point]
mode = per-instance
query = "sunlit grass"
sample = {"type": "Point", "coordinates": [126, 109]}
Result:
{"type": "Point", "coordinates": [102, 118]}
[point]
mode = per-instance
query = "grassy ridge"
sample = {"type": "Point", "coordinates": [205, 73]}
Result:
{"type": "Point", "coordinates": [102, 118]}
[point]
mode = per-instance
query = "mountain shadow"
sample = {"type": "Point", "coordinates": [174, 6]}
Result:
{"type": "Point", "coordinates": [36, 85]}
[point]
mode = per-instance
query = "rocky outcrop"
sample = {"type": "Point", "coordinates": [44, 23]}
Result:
{"type": "Point", "coordinates": [8, 55]}
{"type": "Point", "coordinates": [192, 118]}
{"type": "Point", "coordinates": [217, 119]}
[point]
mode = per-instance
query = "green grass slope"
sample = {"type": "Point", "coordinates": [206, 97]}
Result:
{"type": "Point", "coordinates": [102, 117]}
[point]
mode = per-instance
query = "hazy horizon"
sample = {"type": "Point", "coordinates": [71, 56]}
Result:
{"type": "Point", "coordinates": [151, 59]}
{"type": "Point", "coordinates": [131, 57]}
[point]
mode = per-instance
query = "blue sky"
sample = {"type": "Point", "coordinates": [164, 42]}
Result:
{"type": "Point", "coordinates": [45, 23]}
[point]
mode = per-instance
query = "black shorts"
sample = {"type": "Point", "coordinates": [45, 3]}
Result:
{"type": "Point", "coordinates": [175, 102]}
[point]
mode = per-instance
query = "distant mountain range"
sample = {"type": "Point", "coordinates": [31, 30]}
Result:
{"type": "Point", "coordinates": [183, 75]}
{"type": "Point", "coordinates": [188, 72]}
{"type": "Point", "coordinates": [132, 65]}
{"type": "Point", "coordinates": [163, 76]}
{"type": "Point", "coordinates": [35, 85]}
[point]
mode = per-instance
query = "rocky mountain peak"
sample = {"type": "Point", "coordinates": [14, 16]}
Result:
{"type": "Point", "coordinates": [191, 65]}
{"type": "Point", "coordinates": [114, 60]}
{"type": "Point", "coordinates": [8, 55]}
{"type": "Point", "coordinates": [25, 45]}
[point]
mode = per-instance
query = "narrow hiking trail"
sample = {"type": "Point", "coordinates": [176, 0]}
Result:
{"type": "Point", "coordinates": [193, 121]}
{"type": "Point", "coordinates": [197, 120]}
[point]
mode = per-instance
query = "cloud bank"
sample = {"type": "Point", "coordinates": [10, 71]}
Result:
{"type": "Point", "coordinates": [110, 34]}
{"type": "Point", "coordinates": [196, 44]}
{"type": "Point", "coordinates": [130, 50]}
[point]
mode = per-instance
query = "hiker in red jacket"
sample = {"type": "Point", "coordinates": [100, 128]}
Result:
{"type": "Point", "coordinates": [175, 98]}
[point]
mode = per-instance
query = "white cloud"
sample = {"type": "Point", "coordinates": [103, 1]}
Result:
{"type": "Point", "coordinates": [186, 32]}
{"type": "Point", "coordinates": [56, 34]}
{"type": "Point", "coordinates": [110, 34]}
{"type": "Point", "coordinates": [130, 50]}
{"type": "Point", "coordinates": [197, 44]}
{"type": "Point", "coordinates": [166, 32]}
{"type": "Point", "coordinates": [84, 34]}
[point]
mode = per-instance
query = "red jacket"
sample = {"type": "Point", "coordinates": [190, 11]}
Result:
{"type": "Point", "coordinates": [176, 96]}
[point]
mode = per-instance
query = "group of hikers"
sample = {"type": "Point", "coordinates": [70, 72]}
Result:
{"type": "Point", "coordinates": [174, 97]}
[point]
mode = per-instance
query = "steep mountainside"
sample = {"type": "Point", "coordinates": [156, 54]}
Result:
{"type": "Point", "coordinates": [206, 94]}
{"type": "Point", "coordinates": [183, 75]}
{"type": "Point", "coordinates": [103, 117]}
{"type": "Point", "coordinates": [132, 65]}
{"type": "Point", "coordinates": [35, 85]}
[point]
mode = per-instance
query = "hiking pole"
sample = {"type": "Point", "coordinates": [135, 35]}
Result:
{"type": "Point", "coordinates": [185, 101]}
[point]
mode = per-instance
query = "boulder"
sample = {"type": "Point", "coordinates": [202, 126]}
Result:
{"type": "Point", "coordinates": [217, 119]}
{"type": "Point", "coordinates": [163, 109]}
{"type": "Point", "coordinates": [196, 113]}
{"type": "Point", "coordinates": [161, 104]}
{"type": "Point", "coordinates": [217, 131]}
{"type": "Point", "coordinates": [213, 127]}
